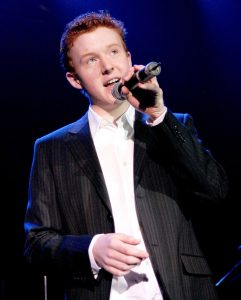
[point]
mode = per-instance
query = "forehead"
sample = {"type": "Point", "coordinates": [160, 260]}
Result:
{"type": "Point", "coordinates": [97, 39]}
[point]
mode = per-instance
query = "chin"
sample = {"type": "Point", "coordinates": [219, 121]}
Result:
{"type": "Point", "coordinates": [118, 102]}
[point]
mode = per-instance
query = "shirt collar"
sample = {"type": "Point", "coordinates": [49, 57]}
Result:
{"type": "Point", "coordinates": [124, 123]}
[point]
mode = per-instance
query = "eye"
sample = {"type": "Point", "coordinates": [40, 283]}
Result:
{"type": "Point", "coordinates": [91, 60]}
{"type": "Point", "coordinates": [114, 51]}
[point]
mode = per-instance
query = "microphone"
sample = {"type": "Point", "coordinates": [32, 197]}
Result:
{"type": "Point", "coordinates": [149, 71]}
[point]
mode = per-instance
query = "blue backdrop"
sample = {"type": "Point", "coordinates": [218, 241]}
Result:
{"type": "Point", "coordinates": [199, 45]}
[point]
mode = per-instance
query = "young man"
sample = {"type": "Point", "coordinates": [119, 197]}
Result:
{"type": "Point", "coordinates": [111, 196]}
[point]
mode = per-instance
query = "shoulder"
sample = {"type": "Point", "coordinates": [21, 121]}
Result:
{"type": "Point", "coordinates": [61, 133]}
{"type": "Point", "coordinates": [182, 117]}
{"type": "Point", "coordinates": [176, 119]}
{"type": "Point", "coordinates": [170, 118]}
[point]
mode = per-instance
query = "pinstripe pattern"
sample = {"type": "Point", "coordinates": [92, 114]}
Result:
{"type": "Point", "coordinates": [68, 204]}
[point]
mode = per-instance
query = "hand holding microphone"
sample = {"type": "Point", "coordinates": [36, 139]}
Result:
{"type": "Point", "coordinates": [149, 71]}
{"type": "Point", "coordinates": [147, 98]}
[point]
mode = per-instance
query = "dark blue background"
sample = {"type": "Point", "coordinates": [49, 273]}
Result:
{"type": "Point", "coordinates": [199, 45]}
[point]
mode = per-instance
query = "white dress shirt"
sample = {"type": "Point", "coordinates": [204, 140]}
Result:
{"type": "Point", "coordinates": [114, 145]}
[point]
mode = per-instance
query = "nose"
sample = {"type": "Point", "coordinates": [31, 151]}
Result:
{"type": "Point", "coordinates": [106, 66]}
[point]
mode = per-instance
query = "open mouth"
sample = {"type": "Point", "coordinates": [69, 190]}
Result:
{"type": "Point", "coordinates": [111, 82]}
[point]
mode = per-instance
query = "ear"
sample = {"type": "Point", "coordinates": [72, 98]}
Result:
{"type": "Point", "coordinates": [73, 80]}
{"type": "Point", "coordinates": [129, 58]}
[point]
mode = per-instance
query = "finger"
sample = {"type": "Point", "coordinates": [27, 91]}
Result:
{"type": "Point", "coordinates": [150, 84]}
{"type": "Point", "coordinates": [128, 239]}
{"type": "Point", "coordinates": [125, 245]}
{"type": "Point", "coordinates": [115, 257]}
{"type": "Point", "coordinates": [138, 67]}
{"type": "Point", "coordinates": [129, 251]}
{"type": "Point", "coordinates": [116, 272]}
{"type": "Point", "coordinates": [129, 74]}
{"type": "Point", "coordinates": [125, 91]}
{"type": "Point", "coordinates": [120, 263]}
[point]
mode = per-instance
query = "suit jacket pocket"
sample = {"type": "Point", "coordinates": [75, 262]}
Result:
{"type": "Point", "coordinates": [196, 265]}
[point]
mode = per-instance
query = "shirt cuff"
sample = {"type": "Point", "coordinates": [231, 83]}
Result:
{"type": "Point", "coordinates": [158, 120]}
{"type": "Point", "coordinates": [95, 268]}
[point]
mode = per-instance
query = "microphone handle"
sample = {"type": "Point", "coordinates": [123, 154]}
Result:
{"type": "Point", "coordinates": [146, 73]}
{"type": "Point", "coordinates": [151, 70]}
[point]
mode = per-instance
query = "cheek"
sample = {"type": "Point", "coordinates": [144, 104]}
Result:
{"type": "Point", "coordinates": [127, 63]}
{"type": "Point", "coordinates": [90, 82]}
{"type": "Point", "coordinates": [88, 77]}
{"type": "Point", "coordinates": [90, 73]}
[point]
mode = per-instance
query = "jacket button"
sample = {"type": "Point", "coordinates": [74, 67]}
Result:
{"type": "Point", "coordinates": [83, 278]}
{"type": "Point", "coordinates": [80, 278]}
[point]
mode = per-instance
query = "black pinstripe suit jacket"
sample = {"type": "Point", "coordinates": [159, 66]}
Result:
{"type": "Point", "coordinates": [69, 204]}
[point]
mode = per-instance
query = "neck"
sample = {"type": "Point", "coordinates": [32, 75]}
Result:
{"type": "Point", "coordinates": [113, 114]}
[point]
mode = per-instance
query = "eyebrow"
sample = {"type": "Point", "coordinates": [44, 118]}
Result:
{"type": "Point", "coordinates": [94, 53]}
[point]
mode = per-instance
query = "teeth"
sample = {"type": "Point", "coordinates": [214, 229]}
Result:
{"type": "Point", "coordinates": [114, 80]}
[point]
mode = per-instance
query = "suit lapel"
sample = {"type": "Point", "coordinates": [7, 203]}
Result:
{"type": "Point", "coordinates": [82, 147]}
{"type": "Point", "coordinates": [139, 147]}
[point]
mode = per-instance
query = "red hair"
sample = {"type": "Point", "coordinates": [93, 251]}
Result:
{"type": "Point", "coordinates": [86, 23]}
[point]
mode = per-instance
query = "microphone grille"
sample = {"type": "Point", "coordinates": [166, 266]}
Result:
{"type": "Point", "coordinates": [116, 91]}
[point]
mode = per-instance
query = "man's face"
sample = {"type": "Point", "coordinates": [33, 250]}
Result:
{"type": "Point", "coordinates": [99, 59]}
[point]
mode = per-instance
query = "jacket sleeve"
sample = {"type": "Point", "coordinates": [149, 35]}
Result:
{"type": "Point", "coordinates": [47, 246]}
{"type": "Point", "coordinates": [192, 164]}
